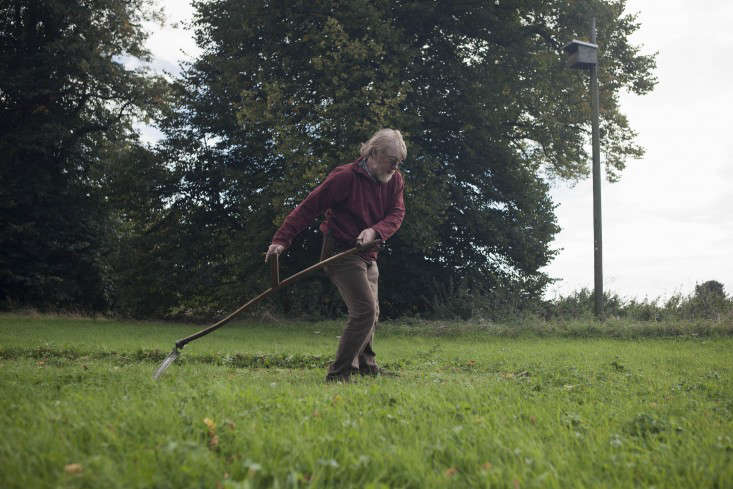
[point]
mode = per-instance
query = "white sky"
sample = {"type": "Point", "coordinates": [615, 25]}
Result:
{"type": "Point", "coordinates": [666, 224]}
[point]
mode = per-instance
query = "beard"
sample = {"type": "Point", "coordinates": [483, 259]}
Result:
{"type": "Point", "coordinates": [384, 177]}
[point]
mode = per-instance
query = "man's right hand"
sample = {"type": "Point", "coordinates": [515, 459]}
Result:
{"type": "Point", "coordinates": [274, 249]}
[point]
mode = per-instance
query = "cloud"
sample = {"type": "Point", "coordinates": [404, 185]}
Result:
{"type": "Point", "coordinates": [173, 43]}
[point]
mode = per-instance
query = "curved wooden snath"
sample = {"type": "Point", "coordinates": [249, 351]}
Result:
{"type": "Point", "coordinates": [276, 285]}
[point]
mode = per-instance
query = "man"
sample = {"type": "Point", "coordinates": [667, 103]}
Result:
{"type": "Point", "coordinates": [362, 201]}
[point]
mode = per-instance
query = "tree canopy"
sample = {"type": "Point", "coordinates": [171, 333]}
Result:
{"type": "Point", "coordinates": [282, 93]}
{"type": "Point", "coordinates": [66, 97]}
{"type": "Point", "coordinates": [285, 91]}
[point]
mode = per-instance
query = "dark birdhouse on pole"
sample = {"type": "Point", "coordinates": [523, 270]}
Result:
{"type": "Point", "coordinates": [581, 55]}
{"type": "Point", "coordinates": [584, 56]}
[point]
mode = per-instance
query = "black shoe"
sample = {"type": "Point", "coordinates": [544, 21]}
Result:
{"type": "Point", "coordinates": [340, 377]}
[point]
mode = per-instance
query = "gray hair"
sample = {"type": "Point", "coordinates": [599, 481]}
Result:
{"type": "Point", "coordinates": [387, 142]}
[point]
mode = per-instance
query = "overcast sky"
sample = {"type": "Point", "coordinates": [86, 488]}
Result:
{"type": "Point", "coordinates": [667, 223]}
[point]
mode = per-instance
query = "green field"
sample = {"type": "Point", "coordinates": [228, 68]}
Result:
{"type": "Point", "coordinates": [472, 407]}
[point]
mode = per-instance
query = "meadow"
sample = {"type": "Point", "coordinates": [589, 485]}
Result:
{"type": "Point", "coordinates": [475, 405]}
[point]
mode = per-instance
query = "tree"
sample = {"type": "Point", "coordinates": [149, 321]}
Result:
{"type": "Point", "coordinates": [709, 301]}
{"type": "Point", "coordinates": [138, 186]}
{"type": "Point", "coordinates": [284, 91]}
{"type": "Point", "coordinates": [67, 95]}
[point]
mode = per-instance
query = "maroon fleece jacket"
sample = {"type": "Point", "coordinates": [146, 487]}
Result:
{"type": "Point", "coordinates": [352, 201]}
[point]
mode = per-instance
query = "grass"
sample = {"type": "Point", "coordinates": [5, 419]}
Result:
{"type": "Point", "coordinates": [472, 407]}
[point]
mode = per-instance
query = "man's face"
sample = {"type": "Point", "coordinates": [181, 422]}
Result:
{"type": "Point", "coordinates": [384, 166]}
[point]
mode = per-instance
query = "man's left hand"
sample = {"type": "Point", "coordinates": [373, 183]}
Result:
{"type": "Point", "coordinates": [366, 236]}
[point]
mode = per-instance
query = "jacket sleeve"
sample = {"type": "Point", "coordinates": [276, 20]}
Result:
{"type": "Point", "coordinates": [334, 189]}
{"type": "Point", "coordinates": [393, 220]}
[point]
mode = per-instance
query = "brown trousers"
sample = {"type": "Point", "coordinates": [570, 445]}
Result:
{"type": "Point", "coordinates": [356, 281]}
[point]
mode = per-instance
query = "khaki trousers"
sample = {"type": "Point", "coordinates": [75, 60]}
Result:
{"type": "Point", "coordinates": [356, 281]}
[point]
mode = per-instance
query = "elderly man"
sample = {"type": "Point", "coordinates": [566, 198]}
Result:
{"type": "Point", "coordinates": [362, 201]}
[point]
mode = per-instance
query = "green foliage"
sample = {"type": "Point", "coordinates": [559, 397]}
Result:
{"type": "Point", "coordinates": [66, 97]}
{"type": "Point", "coordinates": [709, 301]}
{"type": "Point", "coordinates": [284, 92]}
{"type": "Point", "coordinates": [138, 185]}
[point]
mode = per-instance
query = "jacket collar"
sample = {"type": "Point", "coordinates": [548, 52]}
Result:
{"type": "Point", "coordinates": [360, 167]}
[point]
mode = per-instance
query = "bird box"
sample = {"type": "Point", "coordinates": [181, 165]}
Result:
{"type": "Point", "coordinates": [581, 55]}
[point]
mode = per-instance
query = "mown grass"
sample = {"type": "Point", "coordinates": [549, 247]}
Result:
{"type": "Point", "coordinates": [471, 408]}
